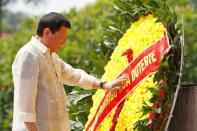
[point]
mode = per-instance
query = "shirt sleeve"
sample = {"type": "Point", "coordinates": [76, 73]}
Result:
{"type": "Point", "coordinates": [25, 70]}
{"type": "Point", "coordinates": [76, 77]}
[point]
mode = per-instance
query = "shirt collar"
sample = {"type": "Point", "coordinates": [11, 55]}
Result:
{"type": "Point", "coordinates": [39, 45]}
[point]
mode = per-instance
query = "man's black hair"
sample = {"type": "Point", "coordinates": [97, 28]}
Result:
{"type": "Point", "coordinates": [53, 21]}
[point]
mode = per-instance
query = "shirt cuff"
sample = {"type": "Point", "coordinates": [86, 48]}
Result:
{"type": "Point", "coordinates": [26, 117]}
{"type": "Point", "coordinates": [88, 83]}
{"type": "Point", "coordinates": [93, 80]}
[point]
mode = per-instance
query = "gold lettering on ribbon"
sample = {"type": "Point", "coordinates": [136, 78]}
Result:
{"type": "Point", "coordinates": [141, 66]}
{"type": "Point", "coordinates": [114, 94]}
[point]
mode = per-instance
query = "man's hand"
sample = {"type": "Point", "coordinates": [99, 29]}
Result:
{"type": "Point", "coordinates": [115, 84]}
{"type": "Point", "coordinates": [31, 126]}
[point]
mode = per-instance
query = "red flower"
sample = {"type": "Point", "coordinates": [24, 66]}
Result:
{"type": "Point", "coordinates": [152, 116]}
{"type": "Point", "coordinates": [161, 94]}
{"type": "Point", "coordinates": [154, 106]}
{"type": "Point", "coordinates": [150, 126]}
{"type": "Point", "coordinates": [129, 54]}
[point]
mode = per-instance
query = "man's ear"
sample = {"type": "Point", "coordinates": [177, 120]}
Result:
{"type": "Point", "coordinates": [46, 31]}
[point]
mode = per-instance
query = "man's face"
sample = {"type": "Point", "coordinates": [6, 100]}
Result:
{"type": "Point", "coordinates": [57, 40]}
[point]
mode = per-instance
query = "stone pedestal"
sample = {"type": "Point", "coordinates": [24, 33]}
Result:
{"type": "Point", "coordinates": [185, 112]}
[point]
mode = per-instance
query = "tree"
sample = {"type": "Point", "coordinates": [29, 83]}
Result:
{"type": "Point", "coordinates": [187, 9]}
{"type": "Point", "coordinates": [11, 21]}
{"type": "Point", "coordinates": [4, 3]}
{"type": "Point", "coordinates": [84, 50]}
{"type": "Point", "coordinates": [82, 35]}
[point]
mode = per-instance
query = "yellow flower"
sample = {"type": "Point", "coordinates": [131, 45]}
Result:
{"type": "Point", "coordinates": [138, 37]}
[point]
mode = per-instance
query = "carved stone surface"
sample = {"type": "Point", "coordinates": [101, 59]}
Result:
{"type": "Point", "coordinates": [185, 111]}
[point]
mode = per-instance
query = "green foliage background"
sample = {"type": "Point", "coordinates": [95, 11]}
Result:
{"type": "Point", "coordinates": [88, 50]}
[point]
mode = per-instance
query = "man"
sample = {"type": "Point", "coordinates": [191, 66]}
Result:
{"type": "Point", "coordinates": [39, 75]}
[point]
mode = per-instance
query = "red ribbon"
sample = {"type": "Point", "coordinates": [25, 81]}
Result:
{"type": "Point", "coordinates": [151, 59]}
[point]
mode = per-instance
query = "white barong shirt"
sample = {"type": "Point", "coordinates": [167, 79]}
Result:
{"type": "Point", "coordinates": [39, 94]}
